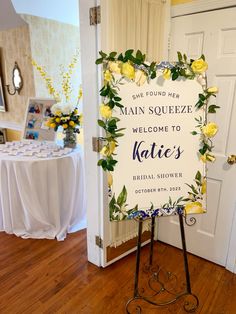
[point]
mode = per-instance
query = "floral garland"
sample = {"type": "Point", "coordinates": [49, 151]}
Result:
{"type": "Point", "coordinates": [132, 67]}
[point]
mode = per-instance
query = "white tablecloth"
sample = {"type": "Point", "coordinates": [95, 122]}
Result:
{"type": "Point", "coordinates": [42, 198]}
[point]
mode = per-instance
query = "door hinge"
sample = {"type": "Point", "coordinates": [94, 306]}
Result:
{"type": "Point", "coordinates": [97, 144]}
{"type": "Point", "coordinates": [99, 242]}
{"type": "Point", "coordinates": [95, 15]}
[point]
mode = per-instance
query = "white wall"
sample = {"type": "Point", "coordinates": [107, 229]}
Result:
{"type": "Point", "coordinates": [65, 11]}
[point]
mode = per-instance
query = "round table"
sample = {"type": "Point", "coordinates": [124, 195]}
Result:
{"type": "Point", "coordinates": [42, 197]}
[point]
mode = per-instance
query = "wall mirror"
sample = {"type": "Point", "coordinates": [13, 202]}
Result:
{"type": "Point", "coordinates": [17, 80]}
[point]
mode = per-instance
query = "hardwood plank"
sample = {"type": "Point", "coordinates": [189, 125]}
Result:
{"type": "Point", "coordinates": [47, 276]}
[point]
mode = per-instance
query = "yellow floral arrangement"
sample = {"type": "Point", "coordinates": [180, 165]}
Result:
{"type": "Point", "coordinates": [65, 111]}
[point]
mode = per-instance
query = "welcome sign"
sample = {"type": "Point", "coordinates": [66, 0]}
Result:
{"type": "Point", "coordinates": [157, 140]}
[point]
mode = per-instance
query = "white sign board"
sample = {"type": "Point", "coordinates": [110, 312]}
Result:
{"type": "Point", "coordinates": [157, 156]}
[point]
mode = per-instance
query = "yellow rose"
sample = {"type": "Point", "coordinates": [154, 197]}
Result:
{"type": "Point", "coordinates": [166, 74]}
{"type": "Point", "coordinates": [114, 67]}
{"type": "Point", "coordinates": [105, 111]}
{"type": "Point", "coordinates": [140, 77]}
{"type": "Point", "coordinates": [203, 158]}
{"type": "Point", "coordinates": [128, 70]}
{"type": "Point", "coordinates": [47, 123]}
{"type": "Point", "coordinates": [58, 120]}
{"type": "Point", "coordinates": [194, 208]}
{"type": "Point", "coordinates": [212, 90]}
{"type": "Point", "coordinates": [199, 66]}
{"type": "Point", "coordinates": [52, 125]}
{"type": "Point", "coordinates": [210, 129]}
{"type": "Point", "coordinates": [72, 123]}
{"type": "Point", "coordinates": [109, 179]}
{"type": "Point", "coordinates": [76, 111]}
{"type": "Point", "coordinates": [65, 126]}
{"type": "Point", "coordinates": [204, 186]}
{"type": "Point", "coordinates": [107, 76]}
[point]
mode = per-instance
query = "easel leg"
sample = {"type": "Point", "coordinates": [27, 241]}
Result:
{"type": "Point", "coordinates": [136, 279]}
{"type": "Point", "coordinates": [188, 285]}
{"type": "Point", "coordinates": [152, 241]}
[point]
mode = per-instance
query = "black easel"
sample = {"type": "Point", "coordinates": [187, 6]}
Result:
{"type": "Point", "coordinates": [189, 305]}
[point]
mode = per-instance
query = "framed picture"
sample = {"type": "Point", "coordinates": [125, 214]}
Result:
{"type": "Point", "coordinates": [3, 137]}
{"type": "Point", "coordinates": [38, 111]}
{"type": "Point", "coordinates": [2, 96]}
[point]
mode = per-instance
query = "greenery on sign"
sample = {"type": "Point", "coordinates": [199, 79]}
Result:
{"type": "Point", "coordinates": [132, 66]}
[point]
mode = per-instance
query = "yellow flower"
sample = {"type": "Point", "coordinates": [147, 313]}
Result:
{"type": "Point", "coordinates": [199, 66]}
{"type": "Point", "coordinates": [58, 120]}
{"type": "Point", "coordinates": [109, 179]}
{"type": "Point", "coordinates": [112, 146]}
{"type": "Point", "coordinates": [104, 151]}
{"type": "Point", "coordinates": [128, 70]}
{"type": "Point", "coordinates": [58, 113]}
{"type": "Point", "coordinates": [210, 157]}
{"type": "Point", "coordinates": [105, 111]}
{"type": "Point", "coordinates": [210, 129]}
{"type": "Point", "coordinates": [107, 76]}
{"type": "Point", "coordinates": [80, 93]}
{"type": "Point", "coordinates": [140, 77]}
{"type": "Point", "coordinates": [212, 90]}
{"type": "Point", "coordinates": [207, 157]}
{"type": "Point", "coordinates": [194, 208]}
{"type": "Point", "coordinates": [47, 123]}
{"type": "Point", "coordinates": [108, 149]}
{"type": "Point", "coordinates": [76, 111]}
{"type": "Point", "coordinates": [72, 123]}
{"type": "Point", "coordinates": [65, 126]}
{"type": "Point", "coordinates": [204, 186]}
{"type": "Point", "coordinates": [114, 67]}
{"type": "Point", "coordinates": [52, 125]}
{"type": "Point", "coordinates": [166, 74]}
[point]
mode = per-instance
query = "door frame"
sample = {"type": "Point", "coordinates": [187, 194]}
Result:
{"type": "Point", "coordinates": [199, 7]}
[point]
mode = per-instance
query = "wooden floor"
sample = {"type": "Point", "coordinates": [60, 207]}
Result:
{"type": "Point", "coordinates": [46, 276]}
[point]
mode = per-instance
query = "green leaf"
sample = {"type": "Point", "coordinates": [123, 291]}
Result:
{"type": "Point", "coordinates": [120, 57]}
{"type": "Point", "coordinates": [194, 133]}
{"type": "Point", "coordinates": [129, 52]}
{"type": "Point", "coordinates": [117, 98]}
{"type": "Point", "coordinates": [139, 55]}
{"type": "Point", "coordinates": [212, 108]}
{"type": "Point", "coordinates": [202, 97]}
{"type": "Point", "coordinates": [119, 105]}
{"type": "Point", "coordinates": [102, 54]}
{"type": "Point", "coordinates": [175, 75]}
{"type": "Point", "coordinates": [99, 61]}
{"type": "Point", "coordinates": [185, 57]}
{"type": "Point", "coordinates": [104, 164]}
{"type": "Point", "coordinates": [112, 207]}
{"type": "Point", "coordinates": [202, 57]}
{"type": "Point", "coordinates": [100, 162]}
{"type": "Point", "coordinates": [112, 54]}
{"type": "Point", "coordinates": [198, 176]}
{"type": "Point", "coordinates": [101, 123]}
{"type": "Point", "coordinates": [122, 197]}
{"type": "Point", "coordinates": [153, 75]}
{"type": "Point", "coordinates": [180, 58]}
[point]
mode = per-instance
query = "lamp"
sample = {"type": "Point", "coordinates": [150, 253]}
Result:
{"type": "Point", "coordinates": [17, 80]}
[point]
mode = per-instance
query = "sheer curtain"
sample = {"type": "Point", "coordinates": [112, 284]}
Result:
{"type": "Point", "coordinates": [134, 24]}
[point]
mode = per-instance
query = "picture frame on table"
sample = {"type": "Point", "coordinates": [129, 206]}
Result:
{"type": "Point", "coordinates": [3, 136]}
{"type": "Point", "coordinates": [3, 106]}
{"type": "Point", "coordinates": [37, 113]}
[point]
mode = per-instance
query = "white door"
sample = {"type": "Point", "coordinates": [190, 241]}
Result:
{"type": "Point", "coordinates": [214, 34]}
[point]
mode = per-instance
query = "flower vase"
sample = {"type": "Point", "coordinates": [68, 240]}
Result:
{"type": "Point", "coordinates": [70, 139]}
